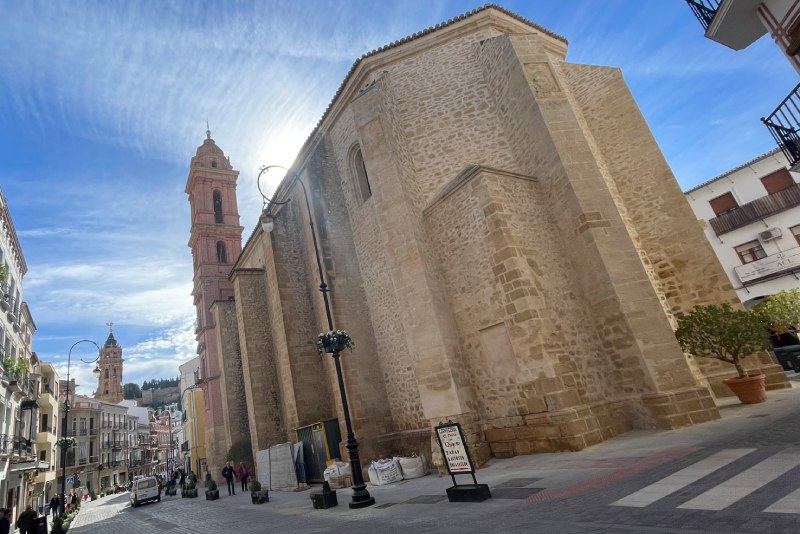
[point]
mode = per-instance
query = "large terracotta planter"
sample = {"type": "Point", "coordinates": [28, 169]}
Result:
{"type": "Point", "coordinates": [750, 390]}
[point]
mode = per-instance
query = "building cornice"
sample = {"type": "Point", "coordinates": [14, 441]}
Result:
{"type": "Point", "coordinates": [731, 171]}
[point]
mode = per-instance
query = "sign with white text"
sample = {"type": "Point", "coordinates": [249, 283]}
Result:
{"type": "Point", "coordinates": [788, 260]}
{"type": "Point", "coordinates": [454, 448]}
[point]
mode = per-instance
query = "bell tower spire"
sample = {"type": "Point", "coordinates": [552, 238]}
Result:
{"type": "Point", "coordinates": [109, 387]}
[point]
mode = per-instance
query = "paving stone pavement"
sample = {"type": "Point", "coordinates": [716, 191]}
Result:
{"type": "Point", "coordinates": [549, 493]}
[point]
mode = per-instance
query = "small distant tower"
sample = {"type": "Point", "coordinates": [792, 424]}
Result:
{"type": "Point", "coordinates": [109, 388]}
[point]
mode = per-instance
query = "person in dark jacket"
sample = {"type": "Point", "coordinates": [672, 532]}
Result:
{"type": "Point", "coordinates": [227, 474]}
{"type": "Point", "coordinates": [5, 524]}
{"type": "Point", "coordinates": [26, 522]}
{"type": "Point", "coordinates": [55, 502]}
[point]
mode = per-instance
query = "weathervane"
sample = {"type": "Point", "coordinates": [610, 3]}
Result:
{"type": "Point", "coordinates": [110, 327]}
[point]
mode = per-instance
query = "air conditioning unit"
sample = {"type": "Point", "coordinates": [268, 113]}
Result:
{"type": "Point", "coordinates": [769, 234]}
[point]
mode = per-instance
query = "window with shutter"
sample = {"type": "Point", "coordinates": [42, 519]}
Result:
{"type": "Point", "coordinates": [723, 204]}
{"type": "Point", "coordinates": [750, 251]}
{"type": "Point", "coordinates": [777, 181]}
{"type": "Point", "coordinates": [796, 232]}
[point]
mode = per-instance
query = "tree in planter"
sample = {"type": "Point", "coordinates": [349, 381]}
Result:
{"type": "Point", "coordinates": [720, 332]}
{"type": "Point", "coordinates": [256, 494]}
{"type": "Point", "coordinates": [780, 313]}
{"type": "Point", "coordinates": [212, 493]}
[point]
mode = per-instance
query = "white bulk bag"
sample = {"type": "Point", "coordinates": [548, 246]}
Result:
{"type": "Point", "coordinates": [412, 466]}
{"type": "Point", "coordinates": [384, 472]}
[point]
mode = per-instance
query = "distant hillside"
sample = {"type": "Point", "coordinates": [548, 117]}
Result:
{"type": "Point", "coordinates": [161, 383]}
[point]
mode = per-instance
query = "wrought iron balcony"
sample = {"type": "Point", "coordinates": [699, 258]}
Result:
{"type": "Point", "coordinates": [784, 125]}
{"type": "Point", "coordinates": [92, 431]}
{"type": "Point", "coordinates": [22, 447]}
{"type": "Point", "coordinates": [83, 431]}
{"type": "Point", "coordinates": [704, 10]}
{"type": "Point", "coordinates": [756, 210]}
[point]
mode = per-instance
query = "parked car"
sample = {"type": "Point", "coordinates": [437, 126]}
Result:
{"type": "Point", "coordinates": [144, 490]}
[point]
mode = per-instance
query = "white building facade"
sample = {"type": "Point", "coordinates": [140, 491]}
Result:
{"type": "Point", "coordinates": [751, 217]}
{"type": "Point", "coordinates": [18, 391]}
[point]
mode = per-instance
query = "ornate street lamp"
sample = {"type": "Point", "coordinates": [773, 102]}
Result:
{"type": "Point", "coordinates": [65, 425]}
{"type": "Point", "coordinates": [361, 497]}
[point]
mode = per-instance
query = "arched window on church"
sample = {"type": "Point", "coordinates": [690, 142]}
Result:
{"type": "Point", "coordinates": [214, 163]}
{"type": "Point", "coordinates": [217, 207]}
{"type": "Point", "coordinates": [221, 256]}
{"type": "Point", "coordinates": [360, 172]}
{"type": "Point", "coordinates": [106, 373]}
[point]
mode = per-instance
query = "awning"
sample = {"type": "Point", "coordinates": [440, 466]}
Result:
{"type": "Point", "coordinates": [29, 405]}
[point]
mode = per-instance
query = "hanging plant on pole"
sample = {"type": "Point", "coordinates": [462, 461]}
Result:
{"type": "Point", "coordinates": [334, 341]}
{"type": "Point", "coordinates": [68, 442]}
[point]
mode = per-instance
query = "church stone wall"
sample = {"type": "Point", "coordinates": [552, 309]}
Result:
{"type": "Point", "coordinates": [290, 287]}
{"type": "Point", "coordinates": [236, 424]}
{"type": "Point", "coordinates": [258, 365]}
{"type": "Point", "coordinates": [506, 271]}
{"type": "Point", "coordinates": [686, 270]}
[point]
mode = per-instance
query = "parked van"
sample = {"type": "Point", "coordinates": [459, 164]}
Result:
{"type": "Point", "coordinates": [145, 489]}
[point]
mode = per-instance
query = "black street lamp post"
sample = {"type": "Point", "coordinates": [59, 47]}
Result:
{"type": "Point", "coordinates": [361, 497]}
{"type": "Point", "coordinates": [65, 425]}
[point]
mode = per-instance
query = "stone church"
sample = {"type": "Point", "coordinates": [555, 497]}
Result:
{"type": "Point", "coordinates": [503, 240]}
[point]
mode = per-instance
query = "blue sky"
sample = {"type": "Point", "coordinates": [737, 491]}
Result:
{"type": "Point", "coordinates": [102, 104]}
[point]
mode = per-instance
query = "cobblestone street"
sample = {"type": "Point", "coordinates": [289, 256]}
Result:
{"type": "Point", "coordinates": [740, 474]}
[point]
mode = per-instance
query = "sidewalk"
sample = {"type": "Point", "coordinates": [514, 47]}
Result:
{"type": "Point", "coordinates": [568, 492]}
{"type": "Point", "coordinates": [628, 454]}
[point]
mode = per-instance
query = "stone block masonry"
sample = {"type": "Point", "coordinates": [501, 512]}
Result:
{"type": "Point", "coordinates": [510, 256]}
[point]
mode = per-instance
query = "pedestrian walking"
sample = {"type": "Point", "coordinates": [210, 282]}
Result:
{"type": "Point", "coordinates": [183, 480]}
{"type": "Point", "coordinates": [26, 521]}
{"type": "Point", "coordinates": [54, 504]}
{"type": "Point", "coordinates": [5, 524]}
{"type": "Point", "coordinates": [242, 473]}
{"type": "Point", "coordinates": [228, 473]}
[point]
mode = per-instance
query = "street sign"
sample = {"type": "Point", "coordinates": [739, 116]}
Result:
{"type": "Point", "coordinates": [170, 462]}
{"type": "Point", "coordinates": [71, 480]}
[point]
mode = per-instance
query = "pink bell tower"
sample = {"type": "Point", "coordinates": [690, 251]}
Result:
{"type": "Point", "coordinates": [216, 242]}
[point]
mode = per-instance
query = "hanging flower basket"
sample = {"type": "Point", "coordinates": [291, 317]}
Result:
{"type": "Point", "coordinates": [334, 341]}
{"type": "Point", "coordinates": [68, 443]}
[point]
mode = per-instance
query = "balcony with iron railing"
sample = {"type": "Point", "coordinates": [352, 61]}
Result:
{"type": "Point", "coordinates": [22, 448]}
{"type": "Point", "coordinates": [704, 10]}
{"type": "Point", "coordinates": [756, 210]}
{"type": "Point", "coordinates": [784, 125]}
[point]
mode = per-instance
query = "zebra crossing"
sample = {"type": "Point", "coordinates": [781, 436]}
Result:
{"type": "Point", "coordinates": [726, 492]}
